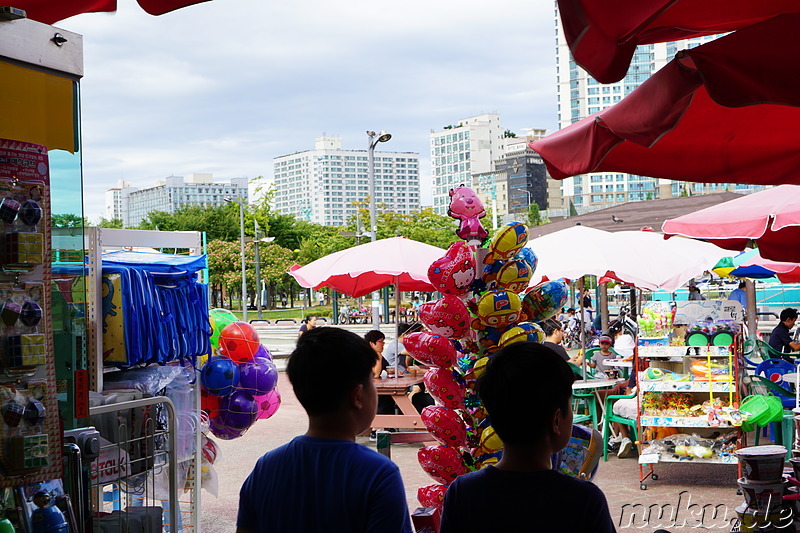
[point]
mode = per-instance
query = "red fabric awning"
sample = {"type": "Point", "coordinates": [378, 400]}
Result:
{"type": "Point", "coordinates": [51, 11]}
{"type": "Point", "coordinates": [603, 34]}
{"type": "Point", "coordinates": [726, 111]}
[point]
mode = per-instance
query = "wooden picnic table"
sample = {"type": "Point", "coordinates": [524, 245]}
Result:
{"type": "Point", "coordinates": [397, 388]}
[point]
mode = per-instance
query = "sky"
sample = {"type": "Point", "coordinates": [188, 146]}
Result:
{"type": "Point", "coordinates": [227, 85]}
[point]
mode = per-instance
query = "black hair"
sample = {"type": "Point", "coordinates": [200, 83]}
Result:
{"type": "Point", "coordinates": [551, 325]}
{"type": "Point", "coordinates": [309, 368]}
{"type": "Point", "coordinates": [614, 328]}
{"type": "Point", "coordinates": [307, 318]}
{"type": "Point", "coordinates": [742, 284]}
{"type": "Point", "coordinates": [519, 413]}
{"type": "Point", "coordinates": [403, 329]}
{"type": "Point", "coordinates": [571, 310]}
{"type": "Point", "coordinates": [374, 335]}
{"type": "Point", "coordinates": [788, 313]}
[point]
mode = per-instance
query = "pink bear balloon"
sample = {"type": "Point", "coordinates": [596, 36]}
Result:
{"type": "Point", "coordinates": [442, 385]}
{"type": "Point", "coordinates": [445, 425]}
{"type": "Point", "coordinates": [447, 317]}
{"type": "Point", "coordinates": [442, 463]}
{"type": "Point", "coordinates": [431, 349]}
{"type": "Point", "coordinates": [467, 208]}
{"type": "Point", "coordinates": [431, 495]}
{"type": "Point", "coordinates": [455, 271]}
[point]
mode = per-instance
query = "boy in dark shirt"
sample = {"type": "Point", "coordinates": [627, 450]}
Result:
{"type": "Point", "coordinates": [523, 492]}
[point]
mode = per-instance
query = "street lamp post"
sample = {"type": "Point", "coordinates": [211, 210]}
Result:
{"type": "Point", "coordinates": [382, 137]}
{"type": "Point", "coordinates": [240, 201]}
{"type": "Point", "coordinates": [257, 241]}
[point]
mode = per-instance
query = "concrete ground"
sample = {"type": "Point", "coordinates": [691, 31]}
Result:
{"type": "Point", "coordinates": [686, 497]}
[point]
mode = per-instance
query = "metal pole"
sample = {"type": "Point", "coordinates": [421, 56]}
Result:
{"type": "Point", "coordinates": [258, 269]}
{"type": "Point", "coordinates": [240, 201]}
{"type": "Point", "coordinates": [376, 317]}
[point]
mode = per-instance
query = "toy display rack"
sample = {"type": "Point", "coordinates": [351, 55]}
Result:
{"type": "Point", "coordinates": [679, 359]}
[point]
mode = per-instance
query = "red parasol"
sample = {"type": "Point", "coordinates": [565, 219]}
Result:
{"type": "Point", "coordinates": [603, 34]}
{"type": "Point", "coordinates": [771, 218]}
{"type": "Point", "coordinates": [366, 268]}
{"type": "Point", "coordinates": [51, 11]}
{"type": "Point", "coordinates": [725, 111]}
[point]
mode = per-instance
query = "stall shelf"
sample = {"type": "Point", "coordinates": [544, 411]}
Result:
{"type": "Point", "coordinates": [677, 391]}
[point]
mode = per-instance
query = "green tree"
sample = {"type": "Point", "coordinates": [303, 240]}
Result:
{"type": "Point", "coordinates": [220, 222]}
{"type": "Point", "coordinates": [67, 220]}
{"type": "Point", "coordinates": [534, 215]}
{"type": "Point", "coordinates": [114, 223]}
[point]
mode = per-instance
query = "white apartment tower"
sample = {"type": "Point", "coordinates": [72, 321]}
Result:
{"type": "Point", "coordinates": [580, 95]}
{"type": "Point", "coordinates": [117, 200]}
{"type": "Point", "coordinates": [324, 185]}
{"type": "Point", "coordinates": [462, 150]}
{"type": "Point", "coordinates": [172, 193]}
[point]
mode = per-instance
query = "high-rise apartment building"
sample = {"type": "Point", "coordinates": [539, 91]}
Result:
{"type": "Point", "coordinates": [172, 193]}
{"type": "Point", "coordinates": [580, 95]}
{"type": "Point", "coordinates": [460, 151]}
{"type": "Point", "coordinates": [324, 185]}
{"type": "Point", "coordinates": [117, 200]}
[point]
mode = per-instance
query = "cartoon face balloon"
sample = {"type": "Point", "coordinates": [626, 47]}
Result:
{"type": "Point", "coordinates": [498, 308]}
{"type": "Point", "coordinates": [431, 349]}
{"type": "Point", "coordinates": [490, 442]}
{"type": "Point", "coordinates": [445, 425]}
{"type": "Point", "coordinates": [467, 208]}
{"type": "Point", "coordinates": [431, 495]}
{"type": "Point", "coordinates": [454, 272]}
{"type": "Point", "coordinates": [442, 385]}
{"type": "Point", "coordinates": [507, 242]}
{"type": "Point", "coordinates": [514, 276]}
{"type": "Point", "coordinates": [524, 331]}
{"type": "Point", "coordinates": [442, 463]}
{"type": "Point", "coordinates": [527, 255]}
{"type": "Point", "coordinates": [447, 317]}
{"type": "Point", "coordinates": [544, 300]}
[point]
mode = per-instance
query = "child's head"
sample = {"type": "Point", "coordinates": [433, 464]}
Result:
{"type": "Point", "coordinates": [605, 342]}
{"type": "Point", "coordinates": [520, 413]}
{"type": "Point", "coordinates": [552, 328]}
{"type": "Point", "coordinates": [376, 340]}
{"type": "Point", "coordinates": [320, 350]}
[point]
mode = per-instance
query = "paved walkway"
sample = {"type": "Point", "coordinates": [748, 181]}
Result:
{"type": "Point", "coordinates": [690, 497]}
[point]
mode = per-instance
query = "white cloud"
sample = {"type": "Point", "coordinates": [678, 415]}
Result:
{"type": "Point", "coordinates": [227, 85]}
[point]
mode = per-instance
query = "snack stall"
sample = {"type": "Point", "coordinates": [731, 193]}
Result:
{"type": "Point", "coordinates": [689, 392]}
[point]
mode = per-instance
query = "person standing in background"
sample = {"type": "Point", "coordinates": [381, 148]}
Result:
{"type": "Point", "coordinates": [739, 295]}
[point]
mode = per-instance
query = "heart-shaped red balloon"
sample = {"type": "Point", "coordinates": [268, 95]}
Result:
{"type": "Point", "coordinates": [431, 349]}
{"type": "Point", "coordinates": [454, 272]}
{"type": "Point", "coordinates": [431, 495]}
{"type": "Point", "coordinates": [442, 463]}
{"type": "Point", "coordinates": [445, 425]}
{"type": "Point", "coordinates": [442, 385]}
{"type": "Point", "coordinates": [447, 317]}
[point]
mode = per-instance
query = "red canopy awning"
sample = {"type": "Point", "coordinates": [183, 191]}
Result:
{"type": "Point", "coordinates": [726, 111]}
{"type": "Point", "coordinates": [51, 11]}
{"type": "Point", "coordinates": [603, 34]}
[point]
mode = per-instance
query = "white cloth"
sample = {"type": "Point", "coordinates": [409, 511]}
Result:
{"type": "Point", "coordinates": [626, 407]}
{"type": "Point", "coordinates": [624, 346]}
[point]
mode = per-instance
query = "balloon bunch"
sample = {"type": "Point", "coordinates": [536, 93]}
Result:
{"type": "Point", "coordinates": [483, 309]}
{"type": "Point", "coordinates": [239, 385]}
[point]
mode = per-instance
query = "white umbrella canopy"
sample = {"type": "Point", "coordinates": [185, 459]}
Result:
{"type": "Point", "coordinates": [641, 258]}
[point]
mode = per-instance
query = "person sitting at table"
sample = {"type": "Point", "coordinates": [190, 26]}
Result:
{"type": "Point", "coordinates": [393, 347]}
{"type": "Point", "coordinates": [626, 408]}
{"type": "Point", "coordinates": [781, 339]}
{"type": "Point", "coordinates": [603, 354]}
{"type": "Point", "coordinates": [533, 423]}
{"type": "Point", "coordinates": [323, 481]}
{"type": "Point", "coordinates": [377, 341]}
{"type": "Point", "coordinates": [624, 343]}
{"type": "Point", "coordinates": [554, 334]}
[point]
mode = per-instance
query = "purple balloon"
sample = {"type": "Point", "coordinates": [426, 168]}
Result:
{"type": "Point", "coordinates": [238, 411]}
{"type": "Point", "coordinates": [258, 377]}
{"type": "Point", "coordinates": [219, 429]}
{"type": "Point", "coordinates": [263, 352]}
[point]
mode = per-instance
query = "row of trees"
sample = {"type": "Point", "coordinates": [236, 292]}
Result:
{"type": "Point", "coordinates": [295, 241]}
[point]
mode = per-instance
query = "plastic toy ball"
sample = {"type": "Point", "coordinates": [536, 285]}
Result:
{"type": "Point", "coordinates": [219, 376]}
{"type": "Point", "coordinates": [239, 341]}
{"type": "Point", "coordinates": [219, 318]}
{"type": "Point", "coordinates": [268, 404]}
{"type": "Point", "coordinates": [219, 429]}
{"type": "Point", "coordinates": [258, 376]}
{"type": "Point", "coordinates": [238, 410]}
{"type": "Point", "coordinates": [263, 353]}
{"type": "Point", "coordinates": [209, 403]}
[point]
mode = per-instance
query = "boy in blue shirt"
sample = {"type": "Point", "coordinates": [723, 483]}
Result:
{"type": "Point", "coordinates": [323, 480]}
{"type": "Point", "coordinates": [522, 492]}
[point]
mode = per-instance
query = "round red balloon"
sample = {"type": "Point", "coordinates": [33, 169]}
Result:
{"type": "Point", "coordinates": [239, 341]}
{"type": "Point", "coordinates": [445, 425]}
{"type": "Point", "coordinates": [442, 463]}
{"type": "Point", "coordinates": [431, 495]}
